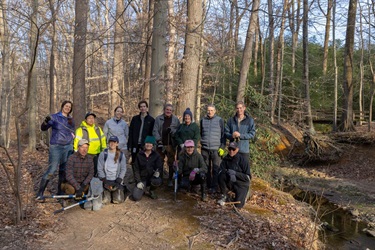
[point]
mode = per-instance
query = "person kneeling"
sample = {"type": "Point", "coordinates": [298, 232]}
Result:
{"type": "Point", "coordinates": [111, 170]}
{"type": "Point", "coordinates": [79, 171]}
{"type": "Point", "coordinates": [234, 176]}
{"type": "Point", "coordinates": [147, 169]}
{"type": "Point", "coordinates": [192, 168]}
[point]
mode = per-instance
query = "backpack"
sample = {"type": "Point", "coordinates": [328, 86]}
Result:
{"type": "Point", "coordinates": [106, 155]}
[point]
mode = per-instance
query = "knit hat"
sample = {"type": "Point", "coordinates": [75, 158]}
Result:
{"type": "Point", "coordinates": [150, 139]}
{"type": "Point", "coordinates": [188, 112]}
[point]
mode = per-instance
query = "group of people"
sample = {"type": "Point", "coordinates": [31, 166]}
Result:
{"type": "Point", "coordinates": [89, 153]}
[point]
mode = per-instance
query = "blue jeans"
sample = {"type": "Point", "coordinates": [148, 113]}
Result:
{"type": "Point", "coordinates": [58, 156]}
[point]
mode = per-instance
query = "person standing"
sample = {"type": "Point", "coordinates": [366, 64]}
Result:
{"type": "Point", "coordinates": [213, 144]}
{"type": "Point", "coordinates": [141, 126]}
{"type": "Point", "coordinates": [234, 176]}
{"type": "Point", "coordinates": [241, 128]}
{"type": "Point", "coordinates": [188, 130]}
{"type": "Point", "coordinates": [164, 129]}
{"type": "Point", "coordinates": [116, 126]}
{"type": "Point", "coordinates": [61, 145]}
{"type": "Point", "coordinates": [111, 171]}
{"type": "Point", "coordinates": [147, 168]}
{"type": "Point", "coordinates": [192, 168]}
{"type": "Point", "coordinates": [79, 171]}
{"type": "Point", "coordinates": [90, 131]}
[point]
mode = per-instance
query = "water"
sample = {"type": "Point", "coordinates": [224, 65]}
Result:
{"type": "Point", "coordinates": [342, 231]}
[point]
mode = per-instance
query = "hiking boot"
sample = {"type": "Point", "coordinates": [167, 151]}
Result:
{"type": "Point", "coordinates": [153, 195]}
{"type": "Point", "coordinates": [204, 197]}
{"type": "Point", "coordinates": [43, 185]}
{"type": "Point", "coordinates": [223, 199]}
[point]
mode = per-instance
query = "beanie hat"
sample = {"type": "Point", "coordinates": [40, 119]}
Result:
{"type": "Point", "coordinates": [188, 112]}
{"type": "Point", "coordinates": [150, 139]}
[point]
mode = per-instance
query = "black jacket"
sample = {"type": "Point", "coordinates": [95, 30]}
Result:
{"type": "Point", "coordinates": [134, 128]}
{"type": "Point", "coordinates": [144, 167]}
{"type": "Point", "coordinates": [239, 164]}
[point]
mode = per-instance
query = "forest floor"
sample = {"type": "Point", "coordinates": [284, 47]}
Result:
{"type": "Point", "coordinates": [270, 220]}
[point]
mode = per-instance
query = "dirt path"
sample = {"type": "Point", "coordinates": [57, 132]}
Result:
{"type": "Point", "coordinates": [147, 224]}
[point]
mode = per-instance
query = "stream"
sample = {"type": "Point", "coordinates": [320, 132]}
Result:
{"type": "Point", "coordinates": [341, 230]}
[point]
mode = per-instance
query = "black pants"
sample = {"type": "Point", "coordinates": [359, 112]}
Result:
{"type": "Point", "coordinates": [212, 160]}
{"type": "Point", "coordinates": [239, 188]}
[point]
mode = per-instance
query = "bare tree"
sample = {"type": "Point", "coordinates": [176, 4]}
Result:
{"type": "Point", "coordinates": [192, 50]}
{"type": "Point", "coordinates": [326, 36]}
{"type": "Point", "coordinates": [79, 58]}
{"type": "Point", "coordinates": [118, 54]}
{"type": "Point", "coordinates": [157, 83]}
{"type": "Point", "coordinates": [248, 51]}
{"type": "Point", "coordinates": [347, 113]}
{"type": "Point", "coordinates": [306, 81]}
{"type": "Point", "coordinates": [32, 77]}
{"type": "Point", "coordinates": [5, 76]}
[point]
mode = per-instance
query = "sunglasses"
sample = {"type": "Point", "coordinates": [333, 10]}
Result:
{"type": "Point", "coordinates": [232, 149]}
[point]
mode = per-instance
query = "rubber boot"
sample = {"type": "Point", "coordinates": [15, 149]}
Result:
{"type": "Point", "coordinates": [43, 185]}
{"type": "Point", "coordinates": [203, 192]}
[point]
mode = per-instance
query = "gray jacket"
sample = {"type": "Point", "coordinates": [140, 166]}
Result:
{"type": "Point", "coordinates": [158, 126]}
{"type": "Point", "coordinates": [119, 129]}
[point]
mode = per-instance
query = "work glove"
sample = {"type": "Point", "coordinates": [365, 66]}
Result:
{"type": "Point", "coordinates": [47, 119]}
{"type": "Point", "coordinates": [79, 194]}
{"type": "Point", "coordinates": [156, 174]}
{"type": "Point", "coordinates": [221, 152]}
{"type": "Point", "coordinates": [103, 179]}
{"type": "Point", "coordinates": [140, 185]}
{"type": "Point", "coordinates": [182, 146]}
{"type": "Point", "coordinates": [196, 170]}
{"type": "Point", "coordinates": [192, 175]}
{"type": "Point", "coordinates": [232, 175]}
{"type": "Point", "coordinates": [110, 185]}
{"type": "Point", "coordinates": [118, 181]}
{"type": "Point", "coordinates": [160, 144]}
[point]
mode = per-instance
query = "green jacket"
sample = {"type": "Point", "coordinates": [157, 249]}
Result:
{"type": "Point", "coordinates": [185, 132]}
{"type": "Point", "coordinates": [187, 163]}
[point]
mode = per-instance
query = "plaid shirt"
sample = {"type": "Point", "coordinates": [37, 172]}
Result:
{"type": "Point", "coordinates": [79, 170]}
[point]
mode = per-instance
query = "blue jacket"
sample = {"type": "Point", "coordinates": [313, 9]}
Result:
{"type": "Point", "coordinates": [246, 128]}
{"type": "Point", "coordinates": [62, 129]}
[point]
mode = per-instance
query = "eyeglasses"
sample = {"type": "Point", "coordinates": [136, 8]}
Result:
{"type": "Point", "coordinates": [232, 149]}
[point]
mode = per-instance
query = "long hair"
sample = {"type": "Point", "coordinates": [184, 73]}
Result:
{"type": "Point", "coordinates": [118, 153]}
{"type": "Point", "coordinates": [65, 102]}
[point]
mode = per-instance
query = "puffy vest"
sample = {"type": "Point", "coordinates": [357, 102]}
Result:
{"type": "Point", "coordinates": [211, 133]}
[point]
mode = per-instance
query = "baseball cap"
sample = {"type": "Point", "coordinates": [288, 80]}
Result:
{"type": "Point", "coordinates": [83, 141]}
{"type": "Point", "coordinates": [233, 145]}
{"type": "Point", "coordinates": [90, 113]}
{"type": "Point", "coordinates": [189, 143]}
{"type": "Point", "coordinates": [113, 138]}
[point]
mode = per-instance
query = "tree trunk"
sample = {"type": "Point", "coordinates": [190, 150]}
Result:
{"type": "Point", "coordinates": [147, 73]}
{"type": "Point", "coordinates": [248, 50]}
{"type": "Point", "coordinates": [305, 59]}
{"type": "Point", "coordinates": [347, 113]}
{"type": "Point", "coordinates": [189, 77]}
{"type": "Point", "coordinates": [271, 61]}
{"type": "Point", "coordinates": [5, 76]}
{"type": "Point", "coordinates": [326, 36]}
{"type": "Point", "coordinates": [32, 77]}
{"type": "Point", "coordinates": [280, 61]}
{"type": "Point", "coordinates": [294, 24]}
{"type": "Point", "coordinates": [118, 57]}
{"type": "Point", "coordinates": [361, 70]}
{"type": "Point", "coordinates": [172, 43]}
{"type": "Point", "coordinates": [335, 67]}
{"type": "Point", "coordinates": [79, 59]}
{"type": "Point", "coordinates": [157, 82]}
